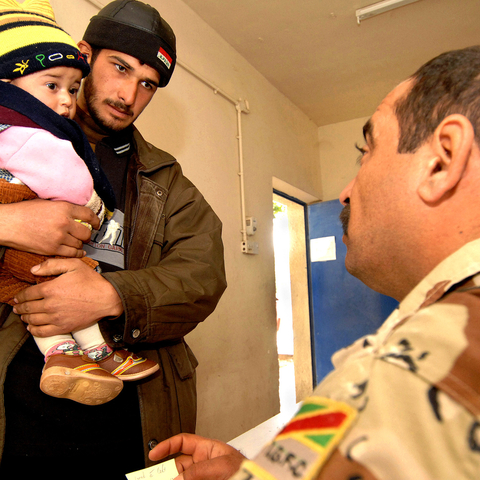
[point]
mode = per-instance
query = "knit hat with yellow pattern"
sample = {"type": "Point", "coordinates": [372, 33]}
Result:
{"type": "Point", "coordinates": [31, 40]}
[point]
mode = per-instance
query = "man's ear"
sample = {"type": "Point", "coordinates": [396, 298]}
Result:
{"type": "Point", "coordinates": [450, 145]}
{"type": "Point", "coordinates": [86, 49]}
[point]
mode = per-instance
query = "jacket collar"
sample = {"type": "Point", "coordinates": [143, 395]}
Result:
{"type": "Point", "coordinates": [462, 264]}
{"type": "Point", "coordinates": [149, 157]}
{"type": "Point", "coordinates": [127, 141]}
{"type": "Point", "coordinates": [120, 142]}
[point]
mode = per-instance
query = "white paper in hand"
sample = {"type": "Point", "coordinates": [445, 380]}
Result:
{"type": "Point", "coordinates": [163, 471]}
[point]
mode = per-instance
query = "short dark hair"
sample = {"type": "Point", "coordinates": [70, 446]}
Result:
{"type": "Point", "coordinates": [448, 84]}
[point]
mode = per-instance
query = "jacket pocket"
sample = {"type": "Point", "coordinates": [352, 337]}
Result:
{"type": "Point", "coordinates": [149, 225]}
{"type": "Point", "coordinates": [183, 359]}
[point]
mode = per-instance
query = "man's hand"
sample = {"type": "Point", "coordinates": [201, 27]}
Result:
{"type": "Point", "coordinates": [201, 459]}
{"type": "Point", "coordinates": [76, 299]}
{"type": "Point", "coordinates": [46, 227]}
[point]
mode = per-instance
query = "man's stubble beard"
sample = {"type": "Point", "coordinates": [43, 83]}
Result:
{"type": "Point", "coordinates": [91, 99]}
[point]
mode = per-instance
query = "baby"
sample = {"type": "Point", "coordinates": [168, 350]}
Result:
{"type": "Point", "coordinates": [44, 154]}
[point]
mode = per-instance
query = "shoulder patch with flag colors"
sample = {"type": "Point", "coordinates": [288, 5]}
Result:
{"type": "Point", "coordinates": [304, 444]}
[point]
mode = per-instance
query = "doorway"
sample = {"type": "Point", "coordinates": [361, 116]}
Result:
{"type": "Point", "coordinates": [292, 300]}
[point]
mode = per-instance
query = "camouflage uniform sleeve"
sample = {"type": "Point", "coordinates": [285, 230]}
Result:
{"type": "Point", "coordinates": [407, 409]}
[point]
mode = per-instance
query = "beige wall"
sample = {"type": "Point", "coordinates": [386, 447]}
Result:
{"type": "Point", "coordinates": [338, 155]}
{"type": "Point", "coordinates": [238, 372]}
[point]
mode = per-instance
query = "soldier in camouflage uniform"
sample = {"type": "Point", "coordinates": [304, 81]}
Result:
{"type": "Point", "coordinates": [404, 403]}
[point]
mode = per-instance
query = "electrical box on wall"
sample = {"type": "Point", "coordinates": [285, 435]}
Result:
{"type": "Point", "coordinates": [250, 247]}
{"type": "Point", "coordinates": [251, 225]}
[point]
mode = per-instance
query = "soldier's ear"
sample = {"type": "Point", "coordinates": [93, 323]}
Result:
{"type": "Point", "coordinates": [451, 145]}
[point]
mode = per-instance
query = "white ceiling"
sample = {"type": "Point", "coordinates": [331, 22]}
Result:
{"type": "Point", "coordinates": [333, 69]}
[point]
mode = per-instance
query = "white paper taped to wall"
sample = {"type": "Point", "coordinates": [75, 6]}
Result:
{"type": "Point", "coordinates": [323, 249]}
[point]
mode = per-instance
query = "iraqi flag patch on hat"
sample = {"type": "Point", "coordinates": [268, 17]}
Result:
{"type": "Point", "coordinates": [164, 57]}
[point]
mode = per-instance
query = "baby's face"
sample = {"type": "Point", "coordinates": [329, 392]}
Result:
{"type": "Point", "coordinates": [56, 87]}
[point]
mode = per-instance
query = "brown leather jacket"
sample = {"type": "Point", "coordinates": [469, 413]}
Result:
{"type": "Point", "coordinates": [173, 280]}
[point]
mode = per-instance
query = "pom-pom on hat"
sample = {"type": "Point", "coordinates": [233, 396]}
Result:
{"type": "Point", "coordinates": [31, 40]}
{"type": "Point", "coordinates": [137, 29]}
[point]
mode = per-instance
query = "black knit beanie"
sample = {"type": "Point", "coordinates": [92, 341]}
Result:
{"type": "Point", "coordinates": [137, 29]}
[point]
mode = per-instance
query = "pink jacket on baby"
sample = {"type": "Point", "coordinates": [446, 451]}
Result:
{"type": "Point", "coordinates": [46, 164]}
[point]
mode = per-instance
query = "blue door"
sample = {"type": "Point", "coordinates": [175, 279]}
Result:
{"type": "Point", "coordinates": [343, 308]}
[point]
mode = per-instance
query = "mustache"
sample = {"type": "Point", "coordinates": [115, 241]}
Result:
{"type": "Point", "coordinates": [119, 106]}
{"type": "Point", "coordinates": [344, 218]}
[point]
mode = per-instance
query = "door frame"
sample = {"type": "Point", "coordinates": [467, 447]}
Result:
{"type": "Point", "coordinates": [304, 205]}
